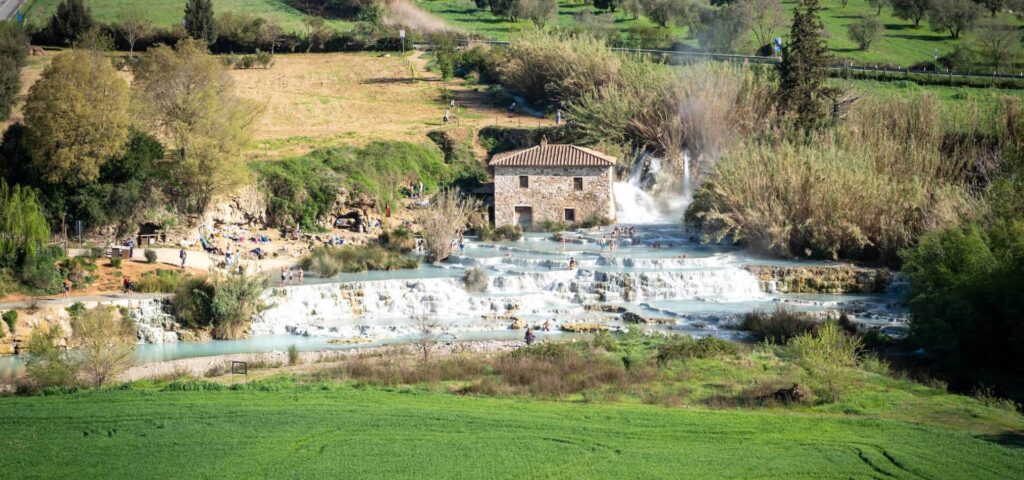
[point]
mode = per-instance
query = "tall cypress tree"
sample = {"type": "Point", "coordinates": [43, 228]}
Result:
{"type": "Point", "coordinates": [804, 67]}
{"type": "Point", "coordinates": [199, 20]}
{"type": "Point", "coordinates": [70, 21]}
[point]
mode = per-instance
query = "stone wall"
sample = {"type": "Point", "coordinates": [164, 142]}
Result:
{"type": "Point", "coordinates": [832, 279]}
{"type": "Point", "coordinates": [551, 191]}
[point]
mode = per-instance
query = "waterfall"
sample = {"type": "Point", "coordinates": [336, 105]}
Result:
{"type": "Point", "coordinates": [634, 205]}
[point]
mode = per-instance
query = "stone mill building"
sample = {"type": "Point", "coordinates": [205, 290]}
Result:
{"type": "Point", "coordinates": [562, 183]}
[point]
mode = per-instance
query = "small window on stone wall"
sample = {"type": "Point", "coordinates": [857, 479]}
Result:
{"type": "Point", "coordinates": [524, 181]}
{"type": "Point", "coordinates": [577, 184]}
{"type": "Point", "coordinates": [570, 214]}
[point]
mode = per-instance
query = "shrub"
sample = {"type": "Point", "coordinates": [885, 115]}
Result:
{"type": "Point", "coordinates": [105, 344]}
{"type": "Point", "coordinates": [685, 347]}
{"type": "Point", "coordinates": [840, 196]}
{"type": "Point", "coordinates": [399, 240]}
{"type": "Point", "coordinates": [445, 220]}
{"type": "Point", "coordinates": [115, 261]}
{"type": "Point", "coordinates": [553, 67]}
{"type": "Point", "coordinates": [553, 226]}
{"type": "Point", "coordinates": [150, 255]}
{"type": "Point", "coordinates": [329, 261]}
{"type": "Point", "coordinates": [827, 357]}
{"type": "Point", "coordinates": [161, 280]}
{"type": "Point", "coordinates": [475, 280]}
{"type": "Point", "coordinates": [10, 317]}
{"type": "Point", "coordinates": [225, 302]}
{"type": "Point", "coordinates": [504, 233]}
{"type": "Point", "coordinates": [293, 355]}
{"type": "Point", "coordinates": [193, 386]}
{"type": "Point", "coordinates": [48, 363]}
{"type": "Point", "coordinates": [778, 326]}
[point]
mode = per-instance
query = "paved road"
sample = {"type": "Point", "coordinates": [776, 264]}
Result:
{"type": "Point", "coordinates": [99, 297]}
{"type": "Point", "coordinates": [8, 8]}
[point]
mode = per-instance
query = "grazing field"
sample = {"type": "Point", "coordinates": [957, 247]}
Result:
{"type": "Point", "coordinates": [359, 433]}
{"type": "Point", "coordinates": [901, 44]}
{"type": "Point", "coordinates": [168, 13]}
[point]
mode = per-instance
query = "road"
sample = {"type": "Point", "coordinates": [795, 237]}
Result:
{"type": "Point", "coordinates": [8, 8]}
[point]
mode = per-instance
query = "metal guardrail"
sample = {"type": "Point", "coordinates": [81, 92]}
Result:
{"type": "Point", "coordinates": [836, 67]}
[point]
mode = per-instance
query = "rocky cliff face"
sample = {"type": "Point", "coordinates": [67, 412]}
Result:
{"type": "Point", "coordinates": [246, 207]}
{"type": "Point", "coordinates": [833, 279]}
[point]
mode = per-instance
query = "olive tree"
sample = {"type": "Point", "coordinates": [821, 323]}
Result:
{"type": "Point", "coordinates": [865, 31]}
{"type": "Point", "coordinates": [77, 117]}
{"type": "Point", "coordinates": [953, 16]}
{"type": "Point", "coordinates": [133, 26]}
{"type": "Point", "coordinates": [186, 95]}
{"type": "Point", "coordinates": [911, 10]}
{"type": "Point", "coordinates": [763, 17]}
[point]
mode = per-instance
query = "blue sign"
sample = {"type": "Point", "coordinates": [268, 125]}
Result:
{"type": "Point", "coordinates": [21, 18]}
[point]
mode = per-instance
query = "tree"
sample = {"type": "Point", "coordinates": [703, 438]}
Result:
{"type": "Point", "coordinates": [23, 227]}
{"type": "Point", "coordinates": [763, 17]}
{"type": "Point", "coordinates": [445, 53]}
{"type": "Point", "coordinates": [443, 221]}
{"type": "Point", "coordinates": [504, 9]}
{"type": "Point", "coordinates": [912, 10]}
{"type": "Point", "coordinates": [13, 55]}
{"type": "Point", "coordinates": [105, 344]}
{"type": "Point", "coordinates": [77, 117]}
{"type": "Point", "coordinates": [865, 31]}
{"type": "Point", "coordinates": [609, 5]}
{"type": "Point", "coordinates": [537, 11]}
{"type": "Point", "coordinates": [662, 12]}
{"type": "Point", "coordinates": [997, 44]}
{"type": "Point", "coordinates": [186, 95]}
{"type": "Point", "coordinates": [721, 29]}
{"type": "Point", "coordinates": [993, 6]}
{"type": "Point", "coordinates": [133, 26]}
{"type": "Point", "coordinates": [953, 16]}
{"type": "Point", "coordinates": [804, 67]}
{"type": "Point", "coordinates": [70, 21]}
{"type": "Point", "coordinates": [48, 363]}
{"type": "Point", "coordinates": [428, 333]}
{"type": "Point", "coordinates": [317, 33]}
{"type": "Point", "coordinates": [271, 34]}
{"type": "Point", "coordinates": [878, 4]}
{"type": "Point", "coordinates": [199, 23]}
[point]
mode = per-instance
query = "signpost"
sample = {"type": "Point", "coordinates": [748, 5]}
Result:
{"type": "Point", "coordinates": [401, 34]}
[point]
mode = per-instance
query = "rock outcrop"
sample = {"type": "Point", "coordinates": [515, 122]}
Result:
{"type": "Point", "coordinates": [834, 279]}
{"type": "Point", "coordinates": [246, 207]}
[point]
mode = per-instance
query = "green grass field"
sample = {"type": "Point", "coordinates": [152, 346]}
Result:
{"type": "Point", "coordinates": [170, 12]}
{"type": "Point", "coordinates": [902, 44]}
{"type": "Point", "coordinates": [357, 433]}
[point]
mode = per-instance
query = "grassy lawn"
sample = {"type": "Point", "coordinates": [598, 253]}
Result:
{"type": "Point", "coordinates": [170, 12]}
{"type": "Point", "coordinates": [902, 44]}
{"type": "Point", "coordinates": [344, 432]}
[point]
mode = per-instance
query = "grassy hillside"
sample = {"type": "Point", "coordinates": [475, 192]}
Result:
{"type": "Point", "coordinates": [169, 12]}
{"type": "Point", "coordinates": [349, 432]}
{"type": "Point", "coordinates": [902, 44]}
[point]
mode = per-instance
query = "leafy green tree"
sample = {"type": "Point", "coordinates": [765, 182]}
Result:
{"type": "Point", "coordinates": [609, 5]}
{"type": "Point", "coordinates": [23, 227]}
{"type": "Point", "coordinates": [540, 12]}
{"type": "Point", "coordinates": [70, 21]}
{"type": "Point", "coordinates": [804, 67]}
{"type": "Point", "coordinates": [953, 16]}
{"type": "Point", "coordinates": [865, 31]}
{"type": "Point", "coordinates": [663, 12]}
{"type": "Point", "coordinates": [993, 6]}
{"type": "Point", "coordinates": [911, 10]}
{"type": "Point", "coordinates": [13, 53]}
{"type": "Point", "coordinates": [967, 296]}
{"type": "Point", "coordinates": [721, 29]}
{"type": "Point", "coordinates": [445, 54]}
{"type": "Point", "coordinates": [77, 117]}
{"type": "Point", "coordinates": [878, 4]}
{"type": "Point", "coordinates": [199, 22]}
{"type": "Point", "coordinates": [186, 95]}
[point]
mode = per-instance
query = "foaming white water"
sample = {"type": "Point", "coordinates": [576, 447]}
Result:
{"type": "Point", "coordinates": [633, 204]}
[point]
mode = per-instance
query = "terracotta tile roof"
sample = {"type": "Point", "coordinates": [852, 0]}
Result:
{"type": "Point", "coordinates": [553, 156]}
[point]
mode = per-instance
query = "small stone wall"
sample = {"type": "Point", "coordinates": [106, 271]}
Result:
{"type": "Point", "coordinates": [833, 279]}
{"type": "Point", "coordinates": [551, 191]}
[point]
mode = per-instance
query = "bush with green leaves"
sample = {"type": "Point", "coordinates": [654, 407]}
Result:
{"type": "Point", "coordinates": [161, 280]}
{"type": "Point", "coordinates": [225, 302]}
{"type": "Point", "coordinates": [504, 233]}
{"type": "Point", "coordinates": [683, 347]}
{"type": "Point", "coordinates": [293, 355]}
{"type": "Point", "coordinates": [48, 363]}
{"type": "Point", "coordinates": [10, 317]}
{"type": "Point", "coordinates": [150, 255]}
{"type": "Point", "coordinates": [778, 326]}
{"type": "Point", "coordinates": [329, 261]}
{"type": "Point", "coordinates": [828, 358]}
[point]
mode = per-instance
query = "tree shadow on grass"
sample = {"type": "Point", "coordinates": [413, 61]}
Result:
{"type": "Point", "coordinates": [925, 38]}
{"type": "Point", "coordinates": [1007, 439]}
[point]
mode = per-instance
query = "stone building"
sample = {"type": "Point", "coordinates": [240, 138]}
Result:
{"type": "Point", "coordinates": [562, 183]}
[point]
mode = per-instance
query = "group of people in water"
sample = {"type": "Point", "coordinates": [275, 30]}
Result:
{"type": "Point", "coordinates": [289, 276]}
{"type": "Point", "coordinates": [531, 337]}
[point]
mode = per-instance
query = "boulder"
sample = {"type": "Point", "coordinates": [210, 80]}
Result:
{"type": "Point", "coordinates": [246, 207]}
